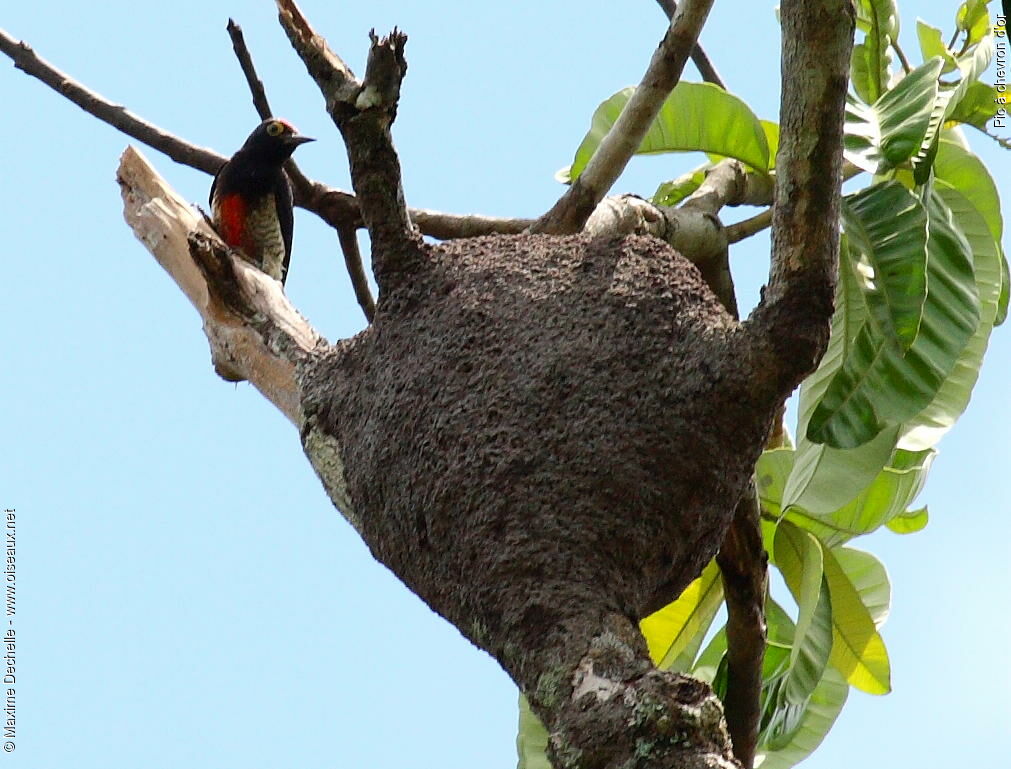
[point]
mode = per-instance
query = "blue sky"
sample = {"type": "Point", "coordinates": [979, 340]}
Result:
{"type": "Point", "coordinates": [187, 596]}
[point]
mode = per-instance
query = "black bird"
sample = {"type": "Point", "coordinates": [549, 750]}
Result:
{"type": "Point", "coordinates": [251, 198]}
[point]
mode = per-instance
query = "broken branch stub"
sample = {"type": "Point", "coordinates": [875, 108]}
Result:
{"type": "Point", "coordinates": [254, 332]}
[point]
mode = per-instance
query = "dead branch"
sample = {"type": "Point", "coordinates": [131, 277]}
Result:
{"type": "Point", "coordinates": [700, 58]}
{"type": "Point", "coordinates": [116, 115]}
{"type": "Point", "coordinates": [364, 112]}
{"type": "Point", "coordinates": [572, 210]}
{"type": "Point", "coordinates": [452, 226]}
{"type": "Point", "coordinates": [256, 88]}
{"type": "Point", "coordinates": [254, 332]}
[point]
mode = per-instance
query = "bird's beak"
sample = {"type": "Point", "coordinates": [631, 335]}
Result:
{"type": "Point", "coordinates": [297, 139]}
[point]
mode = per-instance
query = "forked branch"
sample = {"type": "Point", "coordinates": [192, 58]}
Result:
{"type": "Point", "coordinates": [364, 112]}
{"type": "Point", "coordinates": [700, 58]}
{"type": "Point", "coordinates": [572, 210]}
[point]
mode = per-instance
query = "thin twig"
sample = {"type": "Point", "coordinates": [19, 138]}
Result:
{"type": "Point", "coordinates": [348, 237]}
{"type": "Point", "coordinates": [748, 227]}
{"type": "Point", "coordinates": [572, 210]}
{"type": "Point", "coordinates": [256, 88]}
{"type": "Point", "coordinates": [116, 115]}
{"type": "Point", "coordinates": [700, 59]}
{"type": "Point", "coordinates": [364, 110]}
{"type": "Point", "coordinates": [906, 66]}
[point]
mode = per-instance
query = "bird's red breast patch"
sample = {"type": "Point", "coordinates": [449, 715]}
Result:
{"type": "Point", "coordinates": [230, 218]}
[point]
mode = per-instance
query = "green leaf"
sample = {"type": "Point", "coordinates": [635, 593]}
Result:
{"type": "Point", "coordinates": [1002, 303]}
{"type": "Point", "coordinates": [964, 171]}
{"type": "Point", "coordinates": [799, 557]}
{"type": "Point", "coordinates": [857, 649]}
{"type": "Point", "coordinates": [978, 106]}
{"type": "Point", "coordinates": [891, 492]}
{"type": "Point", "coordinates": [971, 66]}
{"type": "Point", "coordinates": [973, 17]}
{"type": "Point", "coordinates": [932, 44]}
{"type": "Point", "coordinates": [822, 709]}
{"type": "Point", "coordinates": [707, 666]}
{"type": "Point", "coordinates": [904, 112]}
{"type": "Point", "coordinates": [531, 739]}
{"type": "Point", "coordinates": [871, 61]}
{"type": "Point", "coordinates": [821, 478]}
{"type": "Point", "coordinates": [877, 385]}
{"type": "Point", "coordinates": [909, 521]}
{"type": "Point", "coordinates": [927, 427]}
{"type": "Point", "coordinates": [771, 472]}
{"type": "Point", "coordinates": [772, 139]}
{"type": "Point", "coordinates": [673, 192]}
{"type": "Point", "coordinates": [695, 117]}
{"type": "Point", "coordinates": [869, 577]}
{"type": "Point", "coordinates": [887, 230]}
{"type": "Point", "coordinates": [895, 127]}
{"type": "Point", "coordinates": [671, 630]}
{"type": "Point", "coordinates": [824, 479]}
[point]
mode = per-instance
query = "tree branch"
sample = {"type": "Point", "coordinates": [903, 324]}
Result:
{"type": "Point", "coordinates": [256, 88]}
{"type": "Point", "coordinates": [572, 210]}
{"type": "Point", "coordinates": [817, 40]}
{"type": "Point", "coordinates": [743, 566]}
{"type": "Point", "coordinates": [364, 111]}
{"type": "Point", "coordinates": [748, 227]}
{"type": "Point", "coordinates": [436, 224]}
{"type": "Point", "coordinates": [700, 59]}
{"type": "Point", "coordinates": [116, 115]}
{"type": "Point", "coordinates": [254, 332]}
{"type": "Point", "coordinates": [348, 237]}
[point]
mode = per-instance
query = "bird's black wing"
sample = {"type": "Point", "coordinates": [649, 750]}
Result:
{"type": "Point", "coordinates": [214, 184]}
{"type": "Point", "coordinates": [285, 218]}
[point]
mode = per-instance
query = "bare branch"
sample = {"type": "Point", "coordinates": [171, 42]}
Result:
{"type": "Point", "coordinates": [356, 271]}
{"type": "Point", "coordinates": [700, 59]}
{"type": "Point", "coordinates": [572, 210]}
{"type": "Point", "coordinates": [256, 88]}
{"type": "Point", "coordinates": [254, 332]}
{"type": "Point", "coordinates": [115, 115]}
{"type": "Point", "coordinates": [748, 227]}
{"type": "Point", "coordinates": [364, 112]}
{"type": "Point", "coordinates": [452, 226]}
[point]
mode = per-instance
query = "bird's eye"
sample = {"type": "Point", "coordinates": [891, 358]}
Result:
{"type": "Point", "coordinates": [275, 129]}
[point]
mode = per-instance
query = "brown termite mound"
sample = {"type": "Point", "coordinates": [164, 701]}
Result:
{"type": "Point", "coordinates": [545, 438]}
